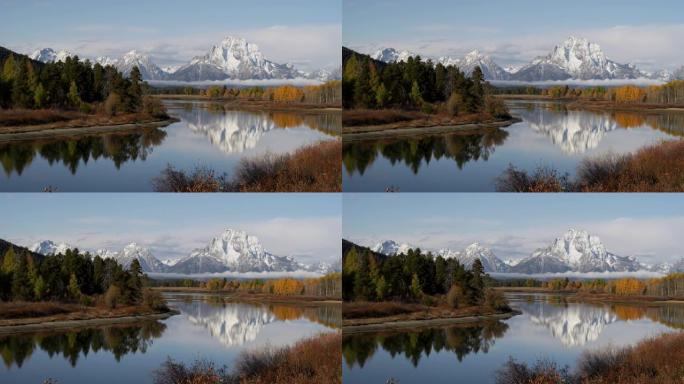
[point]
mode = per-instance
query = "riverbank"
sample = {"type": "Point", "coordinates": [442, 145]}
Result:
{"type": "Point", "coordinates": [374, 316]}
{"type": "Point", "coordinates": [655, 168]}
{"type": "Point", "coordinates": [252, 297]}
{"type": "Point", "coordinates": [422, 127]}
{"type": "Point", "coordinates": [598, 105]}
{"type": "Point", "coordinates": [657, 359]}
{"type": "Point", "coordinates": [78, 316]}
{"type": "Point", "coordinates": [313, 360]}
{"type": "Point", "coordinates": [583, 296]}
{"type": "Point", "coordinates": [255, 104]}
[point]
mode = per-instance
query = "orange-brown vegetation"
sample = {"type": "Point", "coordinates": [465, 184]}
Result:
{"type": "Point", "coordinates": [328, 286]}
{"type": "Point", "coordinates": [657, 360]}
{"type": "Point", "coordinates": [313, 360]}
{"type": "Point", "coordinates": [656, 168]}
{"type": "Point", "coordinates": [313, 168]}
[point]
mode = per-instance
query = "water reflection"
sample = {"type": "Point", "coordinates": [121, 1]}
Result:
{"type": "Point", "coordinates": [461, 147]}
{"type": "Point", "coordinates": [461, 340]}
{"type": "Point", "coordinates": [577, 131]}
{"type": "Point", "coordinates": [74, 344]}
{"type": "Point", "coordinates": [235, 324]}
{"type": "Point", "coordinates": [72, 152]}
{"type": "Point", "coordinates": [235, 131]}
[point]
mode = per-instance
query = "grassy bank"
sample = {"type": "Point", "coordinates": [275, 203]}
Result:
{"type": "Point", "coordinates": [656, 360]}
{"type": "Point", "coordinates": [313, 168]}
{"type": "Point", "coordinates": [253, 104]}
{"type": "Point", "coordinates": [257, 297]}
{"type": "Point", "coordinates": [13, 121]}
{"type": "Point", "coordinates": [357, 314]}
{"type": "Point", "coordinates": [30, 313]}
{"type": "Point", "coordinates": [374, 120]}
{"type": "Point", "coordinates": [657, 168]}
{"type": "Point", "coordinates": [309, 361]}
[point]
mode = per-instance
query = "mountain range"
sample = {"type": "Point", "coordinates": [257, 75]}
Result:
{"type": "Point", "coordinates": [574, 59]}
{"type": "Point", "coordinates": [574, 251]}
{"type": "Point", "coordinates": [233, 58]}
{"type": "Point", "coordinates": [231, 251]}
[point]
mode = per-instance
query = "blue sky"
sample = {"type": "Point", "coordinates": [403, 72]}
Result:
{"type": "Point", "coordinates": [306, 226]}
{"type": "Point", "coordinates": [307, 32]}
{"type": "Point", "coordinates": [647, 33]}
{"type": "Point", "coordinates": [648, 226]}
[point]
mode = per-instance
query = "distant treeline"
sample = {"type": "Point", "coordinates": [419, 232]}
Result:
{"type": "Point", "coordinates": [409, 277]}
{"type": "Point", "coordinates": [329, 285]}
{"type": "Point", "coordinates": [415, 84]}
{"type": "Point", "coordinates": [73, 84]}
{"type": "Point", "coordinates": [671, 285]}
{"type": "Point", "coordinates": [72, 277]}
{"type": "Point", "coordinates": [329, 93]}
{"type": "Point", "coordinates": [669, 93]}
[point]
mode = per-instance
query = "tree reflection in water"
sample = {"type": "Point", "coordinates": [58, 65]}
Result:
{"type": "Point", "coordinates": [461, 147]}
{"type": "Point", "coordinates": [118, 340]}
{"type": "Point", "coordinates": [119, 147]}
{"type": "Point", "coordinates": [461, 340]}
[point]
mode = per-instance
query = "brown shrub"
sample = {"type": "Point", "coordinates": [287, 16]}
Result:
{"type": "Point", "coordinates": [456, 297]}
{"type": "Point", "coordinates": [112, 297]}
{"type": "Point", "coordinates": [201, 179]}
{"type": "Point", "coordinates": [543, 179]}
{"type": "Point", "coordinates": [13, 117]}
{"type": "Point", "coordinates": [154, 300]}
{"type": "Point", "coordinates": [113, 105]}
{"type": "Point", "coordinates": [496, 300]}
{"type": "Point", "coordinates": [359, 117]}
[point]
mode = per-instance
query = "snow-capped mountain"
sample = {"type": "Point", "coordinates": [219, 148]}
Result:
{"type": "Point", "coordinates": [133, 251]}
{"type": "Point", "coordinates": [391, 247]}
{"type": "Point", "coordinates": [234, 58]}
{"type": "Point", "coordinates": [474, 251]}
{"type": "Point", "coordinates": [170, 68]}
{"type": "Point", "coordinates": [576, 58]}
{"type": "Point", "coordinates": [124, 64]}
{"type": "Point", "coordinates": [48, 55]}
{"type": "Point", "coordinates": [576, 251]}
{"type": "Point", "coordinates": [391, 55]}
{"type": "Point", "coordinates": [234, 251]}
{"type": "Point", "coordinates": [490, 69]}
{"type": "Point", "coordinates": [49, 247]}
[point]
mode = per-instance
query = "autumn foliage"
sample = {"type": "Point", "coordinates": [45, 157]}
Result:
{"type": "Point", "coordinates": [329, 285]}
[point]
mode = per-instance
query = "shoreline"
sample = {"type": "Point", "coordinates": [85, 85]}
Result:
{"type": "Point", "coordinates": [254, 104]}
{"type": "Point", "coordinates": [598, 105]}
{"type": "Point", "coordinates": [596, 297]}
{"type": "Point", "coordinates": [391, 131]}
{"type": "Point", "coordinates": [414, 323]}
{"type": "Point", "coordinates": [255, 298]}
{"type": "Point", "coordinates": [51, 325]}
{"type": "Point", "coordinates": [47, 133]}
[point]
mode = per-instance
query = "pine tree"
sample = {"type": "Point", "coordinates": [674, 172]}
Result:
{"type": "Point", "coordinates": [22, 96]}
{"type": "Point", "coordinates": [39, 96]}
{"type": "Point", "coordinates": [21, 287]}
{"type": "Point", "coordinates": [476, 281]}
{"type": "Point", "coordinates": [9, 69]}
{"type": "Point", "coordinates": [135, 90]}
{"type": "Point", "coordinates": [381, 289]}
{"type": "Point", "coordinates": [416, 290]}
{"type": "Point", "coordinates": [9, 261]}
{"type": "Point", "coordinates": [39, 288]}
{"type": "Point", "coordinates": [73, 96]}
{"type": "Point", "coordinates": [73, 288]}
{"type": "Point", "coordinates": [416, 97]}
{"type": "Point", "coordinates": [134, 283]}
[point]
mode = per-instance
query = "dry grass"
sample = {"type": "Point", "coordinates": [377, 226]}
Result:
{"type": "Point", "coordinates": [20, 309]}
{"type": "Point", "coordinates": [657, 168]}
{"type": "Point", "coordinates": [362, 309]}
{"type": "Point", "coordinates": [314, 168]}
{"type": "Point", "coordinates": [10, 117]}
{"type": "Point", "coordinates": [357, 117]}
{"type": "Point", "coordinates": [309, 361]}
{"type": "Point", "coordinates": [657, 360]}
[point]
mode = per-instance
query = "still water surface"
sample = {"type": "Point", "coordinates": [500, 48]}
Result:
{"type": "Point", "coordinates": [206, 135]}
{"type": "Point", "coordinates": [208, 327]}
{"type": "Point", "coordinates": [549, 327]}
{"type": "Point", "coordinates": [549, 135]}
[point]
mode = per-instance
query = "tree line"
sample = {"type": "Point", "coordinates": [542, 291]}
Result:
{"type": "Point", "coordinates": [73, 277]}
{"type": "Point", "coordinates": [329, 285]}
{"type": "Point", "coordinates": [415, 84]}
{"type": "Point", "coordinates": [73, 84]}
{"type": "Point", "coordinates": [411, 277]}
{"type": "Point", "coordinates": [669, 93]}
{"type": "Point", "coordinates": [328, 93]}
{"type": "Point", "coordinates": [671, 285]}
